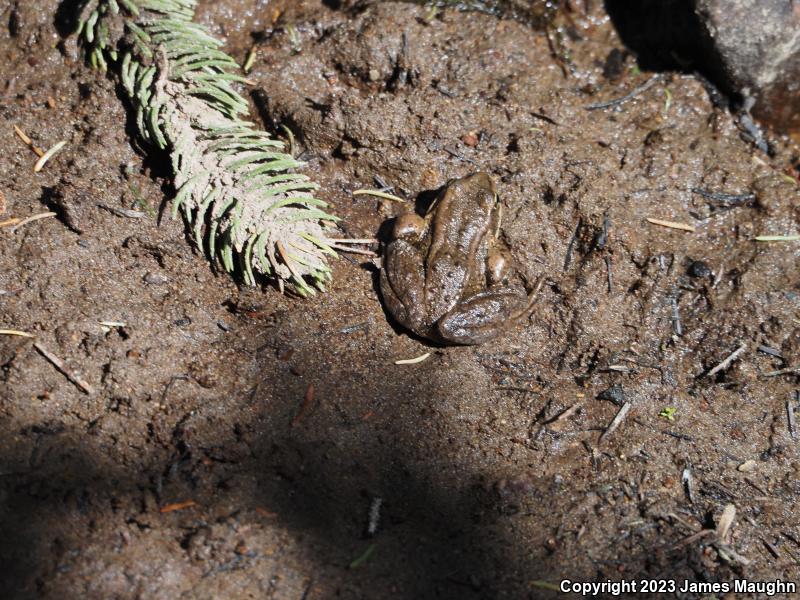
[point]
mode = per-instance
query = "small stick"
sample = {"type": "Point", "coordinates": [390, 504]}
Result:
{"type": "Point", "coordinates": [786, 371]}
{"type": "Point", "coordinates": [727, 362]}
{"type": "Point", "coordinates": [16, 332]}
{"type": "Point", "coordinates": [792, 423]}
{"type": "Point", "coordinates": [723, 197]}
{"type": "Point", "coordinates": [384, 187]}
{"type": "Point", "coordinates": [621, 414]}
{"type": "Point", "coordinates": [48, 155]}
{"type": "Point", "coordinates": [308, 400]}
{"type": "Point", "coordinates": [58, 364]}
{"type": "Point", "coordinates": [777, 238]}
{"type": "Point", "coordinates": [688, 483]}
{"type": "Point", "coordinates": [11, 221]}
{"type": "Point", "coordinates": [353, 250]}
{"type": "Point", "coordinates": [632, 94]}
{"type": "Point", "coordinates": [379, 194]}
{"type": "Point", "coordinates": [772, 549]}
{"type": "Point", "coordinates": [122, 212]}
{"type": "Point", "coordinates": [559, 418]}
{"type": "Point", "coordinates": [718, 277]}
{"type": "Point", "coordinates": [568, 257]}
{"type": "Point", "coordinates": [770, 350]}
{"type": "Point", "coordinates": [374, 516]}
{"type": "Point", "coordinates": [677, 327]}
{"type": "Point", "coordinates": [352, 240]}
{"type": "Point", "coordinates": [693, 538]}
{"type": "Point", "coordinates": [671, 224]}
{"type": "Point", "coordinates": [21, 135]}
{"type": "Point", "coordinates": [31, 219]}
{"type": "Point", "coordinates": [609, 275]}
{"type": "Point", "coordinates": [177, 506]}
{"type": "Point", "coordinates": [250, 59]}
{"type": "Point", "coordinates": [413, 361]}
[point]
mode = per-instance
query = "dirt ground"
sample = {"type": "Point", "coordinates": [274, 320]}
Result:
{"type": "Point", "coordinates": [285, 420]}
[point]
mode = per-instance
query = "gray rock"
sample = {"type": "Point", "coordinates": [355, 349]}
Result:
{"type": "Point", "coordinates": [754, 49]}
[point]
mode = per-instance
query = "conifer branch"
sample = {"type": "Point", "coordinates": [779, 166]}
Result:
{"type": "Point", "coordinates": [246, 205]}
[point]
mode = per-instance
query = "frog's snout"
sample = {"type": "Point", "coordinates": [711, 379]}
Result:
{"type": "Point", "coordinates": [408, 225]}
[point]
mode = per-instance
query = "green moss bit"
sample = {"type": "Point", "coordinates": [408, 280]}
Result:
{"type": "Point", "coordinates": [668, 413]}
{"type": "Point", "coordinates": [248, 208]}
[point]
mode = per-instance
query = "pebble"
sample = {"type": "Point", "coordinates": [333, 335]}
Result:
{"type": "Point", "coordinates": [155, 278]}
{"type": "Point", "coordinates": [699, 269]}
{"type": "Point", "coordinates": [747, 467]}
{"type": "Point", "coordinates": [613, 394]}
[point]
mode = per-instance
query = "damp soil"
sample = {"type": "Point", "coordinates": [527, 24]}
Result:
{"type": "Point", "coordinates": [236, 439]}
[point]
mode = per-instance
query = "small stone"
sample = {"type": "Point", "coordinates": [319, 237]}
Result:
{"type": "Point", "coordinates": [748, 466]}
{"type": "Point", "coordinates": [155, 278]}
{"type": "Point", "coordinates": [699, 269]}
{"type": "Point", "coordinates": [613, 394]}
{"type": "Point", "coordinates": [470, 139]}
{"type": "Point", "coordinates": [374, 74]}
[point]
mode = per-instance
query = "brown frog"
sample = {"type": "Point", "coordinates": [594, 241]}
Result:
{"type": "Point", "coordinates": [447, 277]}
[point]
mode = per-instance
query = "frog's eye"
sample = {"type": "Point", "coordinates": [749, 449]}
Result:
{"type": "Point", "coordinates": [406, 225]}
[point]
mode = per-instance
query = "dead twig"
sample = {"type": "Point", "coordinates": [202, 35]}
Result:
{"type": "Point", "coordinates": [122, 212]}
{"type": "Point", "coordinates": [727, 362]}
{"type": "Point", "coordinates": [621, 414]}
{"type": "Point", "coordinates": [11, 221]}
{"type": "Point", "coordinates": [48, 155]}
{"type": "Point", "coordinates": [413, 361]}
{"type": "Point", "coordinates": [28, 141]}
{"type": "Point", "coordinates": [308, 401]}
{"type": "Point", "coordinates": [671, 224]}
{"type": "Point", "coordinates": [16, 332]}
{"type": "Point", "coordinates": [59, 364]}
{"type": "Point", "coordinates": [177, 506]}
{"type": "Point", "coordinates": [378, 194]}
{"type": "Point", "coordinates": [786, 371]}
{"type": "Point", "coordinates": [353, 250]}
{"type": "Point", "coordinates": [571, 245]}
{"type": "Point", "coordinates": [629, 96]}
{"type": "Point", "coordinates": [31, 219]}
{"type": "Point", "coordinates": [723, 197]}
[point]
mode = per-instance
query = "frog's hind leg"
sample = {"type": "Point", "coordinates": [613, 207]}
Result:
{"type": "Point", "coordinates": [482, 317]}
{"type": "Point", "coordinates": [402, 284]}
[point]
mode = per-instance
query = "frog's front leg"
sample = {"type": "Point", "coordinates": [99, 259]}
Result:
{"type": "Point", "coordinates": [403, 286]}
{"type": "Point", "coordinates": [484, 316]}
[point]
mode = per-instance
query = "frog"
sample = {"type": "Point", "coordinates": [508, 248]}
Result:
{"type": "Point", "coordinates": [447, 276]}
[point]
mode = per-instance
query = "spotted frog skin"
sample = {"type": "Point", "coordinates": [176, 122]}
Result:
{"type": "Point", "coordinates": [446, 276]}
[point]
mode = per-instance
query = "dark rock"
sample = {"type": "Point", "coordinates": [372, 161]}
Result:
{"type": "Point", "coordinates": [754, 49]}
{"type": "Point", "coordinates": [699, 269]}
{"type": "Point", "coordinates": [613, 394]}
{"type": "Point", "coordinates": [749, 48]}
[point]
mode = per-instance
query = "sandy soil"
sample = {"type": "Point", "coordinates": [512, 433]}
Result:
{"type": "Point", "coordinates": [284, 420]}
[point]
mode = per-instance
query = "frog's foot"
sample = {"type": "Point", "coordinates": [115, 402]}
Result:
{"type": "Point", "coordinates": [484, 316]}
